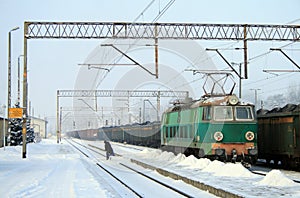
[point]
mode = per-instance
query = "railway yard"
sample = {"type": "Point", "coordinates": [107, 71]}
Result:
{"type": "Point", "coordinates": [150, 98]}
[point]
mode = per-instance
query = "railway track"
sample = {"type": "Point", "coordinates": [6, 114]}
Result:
{"type": "Point", "coordinates": [202, 186]}
{"type": "Point", "coordinates": [102, 167]}
{"type": "Point", "coordinates": [125, 183]}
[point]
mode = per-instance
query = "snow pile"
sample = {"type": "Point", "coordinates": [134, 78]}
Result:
{"type": "Point", "coordinates": [276, 178]}
{"type": "Point", "coordinates": [145, 151]}
{"type": "Point", "coordinates": [166, 156]}
{"type": "Point", "coordinates": [229, 169]}
{"type": "Point", "coordinates": [214, 166]}
{"type": "Point", "coordinates": [188, 161]}
{"type": "Point", "coordinates": [179, 157]}
{"type": "Point", "coordinates": [233, 170]}
{"type": "Point", "coordinates": [193, 162]}
{"type": "Point", "coordinates": [202, 163]}
{"type": "Point", "coordinates": [150, 154]}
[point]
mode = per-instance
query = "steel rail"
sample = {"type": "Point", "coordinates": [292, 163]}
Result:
{"type": "Point", "coordinates": [157, 181]}
{"type": "Point", "coordinates": [136, 171]}
{"type": "Point", "coordinates": [100, 166]}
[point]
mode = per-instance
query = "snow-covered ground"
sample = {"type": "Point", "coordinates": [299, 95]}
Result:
{"type": "Point", "coordinates": [58, 170]}
{"type": "Point", "coordinates": [231, 177]}
{"type": "Point", "coordinates": [50, 170]}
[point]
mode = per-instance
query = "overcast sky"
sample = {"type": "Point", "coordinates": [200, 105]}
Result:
{"type": "Point", "coordinates": [53, 64]}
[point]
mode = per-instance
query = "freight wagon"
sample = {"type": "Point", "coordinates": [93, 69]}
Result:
{"type": "Point", "coordinates": [279, 135]}
{"type": "Point", "coordinates": [144, 134]}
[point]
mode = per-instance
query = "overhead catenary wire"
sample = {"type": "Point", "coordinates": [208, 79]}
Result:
{"type": "Point", "coordinates": [173, 78]}
{"type": "Point", "coordinates": [136, 40]}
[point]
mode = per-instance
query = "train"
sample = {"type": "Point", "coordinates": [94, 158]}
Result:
{"type": "Point", "coordinates": [279, 136]}
{"type": "Point", "coordinates": [143, 134]}
{"type": "Point", "coordinates": [217, 127]}
{"type": "Point", "coordinates": [276, 135]}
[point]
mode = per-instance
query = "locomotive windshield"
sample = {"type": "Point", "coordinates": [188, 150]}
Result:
{"type": "Point", "coordinates": [243, 113]}
{"type": "Point", "coordinates": [223, 113]}
{"type": "Point", "coordinates": [230, 113]}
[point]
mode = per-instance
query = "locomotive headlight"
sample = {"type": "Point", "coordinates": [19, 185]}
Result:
{"type": "Point", "coordinates": [233, 100]}
{"type": "Point", "coordinates": [218, 136]}
{"type": "Point", "coordinates": [249, 136]}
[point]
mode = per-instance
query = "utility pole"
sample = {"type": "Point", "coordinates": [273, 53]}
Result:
{"type": "Point", "coordinates": [19, 80]}
{"type": "Point", "coordinates": [9, 83]}
{"type": "Point", "coordinates": [4, 128]}
{"type": "Point", "coordinates": [255, 95]}
{"type": "Point", "coordinates": [9, 70]}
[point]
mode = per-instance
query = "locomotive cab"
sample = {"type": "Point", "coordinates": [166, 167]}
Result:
{"type": "Point", "coordinates": [235, 129]}
{"type": "Point", "coordinates": [219, 127]}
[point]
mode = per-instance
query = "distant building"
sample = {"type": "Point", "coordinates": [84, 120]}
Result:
{"type": "Point", "coordinates": [39, 126]}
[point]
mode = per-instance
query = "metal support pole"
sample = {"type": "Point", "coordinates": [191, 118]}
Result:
{"type": "Point", "coordinates": [255, 96]}
{"type": "Point", "coordinates": [9, 74]}
{"type": "Point", "coordinates": [60, 122]}
{"type": "Point", "coordinates": [96, 102]}
{"type": "Point", "coordinates": [57, 116]}
{"type": "Point", "coordinates": [240, 86]}
{"type": "Point", "coordinates": [140, 115]}
{"type": "Point", "coordinates": [128, 109]}
{"type": "Point", "coordinates": [158, 106]}
{"type": "Point", "coordinates": [8, 83]}
{"type": "Point", "coordinates": [25, 94]}
{"type": "Point", "coordinates": [19, 80]}
{"type": "Point", "coordinates": [144, 110]}
{"type": "Point", "coordinates": [240, 78]}
{"type": "Point", "coordinates": [4, 127]}
{"type": "Point", "coordinates": [156, 52]}
{"type": "Point", "coordinates": [245, 53]}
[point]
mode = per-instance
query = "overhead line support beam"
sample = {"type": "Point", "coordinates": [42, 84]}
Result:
{"type": "Point", "coordinates": [116, 30]}
{"type": "Point", "coordinates": [216, 50]}
{"type": "Point", "coordinates": [121, 93]}
{"type": "Point", "coordinates": [280, 50]}
{"type": "Point", "coordinates": [131, 59]}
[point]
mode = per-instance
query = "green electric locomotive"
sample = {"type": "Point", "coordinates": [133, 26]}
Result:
{"type": "Point", "coordinates": [217, 127]}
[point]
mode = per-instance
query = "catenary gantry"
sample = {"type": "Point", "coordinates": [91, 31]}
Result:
{"type": "Point", "coordinates": [98, 30]}
{"type": "Point", "coordinates": [118, 30]}
{"type": "Point", "coordinates": [121, 93]}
